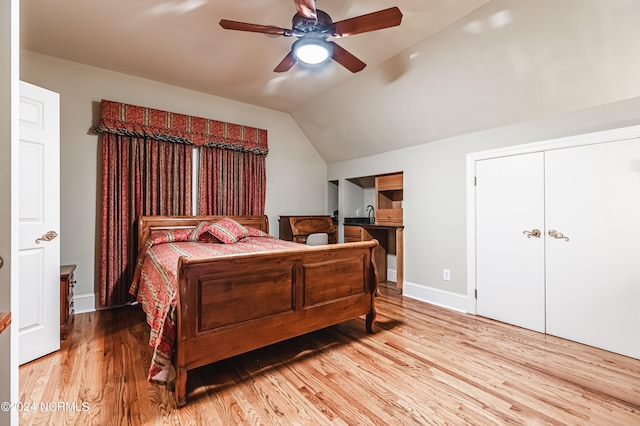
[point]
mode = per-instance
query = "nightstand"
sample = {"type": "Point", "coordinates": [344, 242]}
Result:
{"type": "Point", "coordinates": [67, 282]}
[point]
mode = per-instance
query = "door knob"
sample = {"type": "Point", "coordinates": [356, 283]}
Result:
{"type": "Point", "coordinates": [536, 233]}
{"type": "Point", "coordinates": [557, 235]}
{"type": "Point", "coordinates": [1, 261]}
{"type": "Point", "coordinates": [47, 237]}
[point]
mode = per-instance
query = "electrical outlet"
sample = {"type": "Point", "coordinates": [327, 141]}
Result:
{"type": "Point", "coordinates": [446, 274]}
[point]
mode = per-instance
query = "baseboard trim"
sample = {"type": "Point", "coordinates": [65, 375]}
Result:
{"type": "Point", "coordinates": [435, 296]}
{"type": "Point", "coordinates": [84, 303]}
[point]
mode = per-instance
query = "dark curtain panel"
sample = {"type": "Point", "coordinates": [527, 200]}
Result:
{"type": "Point", "coordinates": [139, 177]}
{"type": "Point", "coordinates": [231, 182]}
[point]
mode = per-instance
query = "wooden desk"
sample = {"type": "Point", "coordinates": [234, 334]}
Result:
{"type": "Point", "coordinates": [298, 228]}
{"type": "Point", "coordinates": [391, 239]}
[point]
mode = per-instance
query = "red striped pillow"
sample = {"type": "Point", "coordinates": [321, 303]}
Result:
{"type": "Point", "coordinates": [199, 229]}
{"type": "Point", "coordinates": [228, 231]}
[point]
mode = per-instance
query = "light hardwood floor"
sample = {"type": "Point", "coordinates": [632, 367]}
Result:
{"type": "Point", "coordinates": [425, 365]}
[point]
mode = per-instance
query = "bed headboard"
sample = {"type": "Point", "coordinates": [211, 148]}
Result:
{"type": "Point", "coordinates": [146, 224]}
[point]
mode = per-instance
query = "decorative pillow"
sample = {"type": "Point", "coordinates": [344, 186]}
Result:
{"type": "Point", "coordinates": [199, 230]}
{"type": "Point", "coordinates": [253, 232]}
{"type": "Point", "coordinates": [170, 235]}
{"type": "Point", "coordinates": [228, 231]}
{"type": "Point", "coordinates": [201, 233]}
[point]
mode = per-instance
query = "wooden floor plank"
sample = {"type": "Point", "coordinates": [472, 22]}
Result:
{"type": "Point", "coordinates": [424, 365]}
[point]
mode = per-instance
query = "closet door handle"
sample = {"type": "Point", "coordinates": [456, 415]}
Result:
{"type": "Point", "coordinates": [557, 235]}
{"type": "Point", "coordinates": [533, 233]}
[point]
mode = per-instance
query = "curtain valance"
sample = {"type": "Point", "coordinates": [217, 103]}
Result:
{"type": "Point", "coordinates": [131, 120]}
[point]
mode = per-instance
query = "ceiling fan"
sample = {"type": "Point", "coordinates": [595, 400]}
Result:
{"type": "Point", "coordinates": [313, 26]}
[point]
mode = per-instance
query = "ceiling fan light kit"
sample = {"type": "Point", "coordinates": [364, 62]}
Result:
{"type": "Point", "coordinates": [312, 47]}
{"type": "Point", "coordinates": [312, 51]}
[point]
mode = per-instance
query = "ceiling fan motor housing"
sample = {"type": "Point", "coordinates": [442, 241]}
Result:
{"type": "Point", "coordinates": [306, 25]}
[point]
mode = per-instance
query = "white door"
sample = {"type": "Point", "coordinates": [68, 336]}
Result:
{"type": "Point", "coordinates": [593, 278]}
{"type": "Point", "coordinates": [39, 223]}
{"type": "Point", "coordinates": [509, 251]}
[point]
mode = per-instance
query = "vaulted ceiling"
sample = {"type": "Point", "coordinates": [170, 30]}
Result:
{"type": "Point", "coordinates": [179, 42]}
{"type": "Point", "coordinates": [451, 67]}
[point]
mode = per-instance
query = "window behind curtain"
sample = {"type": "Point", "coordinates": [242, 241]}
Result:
{"type": "Point", "coordinates": [231, 182]}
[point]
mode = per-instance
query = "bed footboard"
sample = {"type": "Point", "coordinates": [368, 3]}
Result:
{"type": "Point", "coordinates": [237, 303]}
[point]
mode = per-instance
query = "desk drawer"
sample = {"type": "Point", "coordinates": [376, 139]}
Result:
{"type": "Point", "coordinates": [389, 217]}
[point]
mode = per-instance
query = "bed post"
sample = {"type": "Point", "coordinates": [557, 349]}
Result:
{"type": "Point", "coordinates": [373, 290]}
{"type": "Point", "coordinates": [181, 370]}
{"type": "Point", "coordinates": [181, 386]}
{"type": "Point", "coordinates": [181, 335]}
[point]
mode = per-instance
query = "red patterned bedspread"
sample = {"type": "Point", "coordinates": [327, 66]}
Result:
{"type": "Point", "coordinates": [155, 285]}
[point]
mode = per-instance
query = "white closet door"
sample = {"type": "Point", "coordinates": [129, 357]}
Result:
{"type": "Point", "coordinates": [510, 265]}
{"type": "Point", "coordinates": [593, 278]}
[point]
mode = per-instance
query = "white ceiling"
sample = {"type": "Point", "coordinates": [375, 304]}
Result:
{"type": "Point", "coordinates": [453, 67]}
{"type": "Point", "coordinates": [179, 42]}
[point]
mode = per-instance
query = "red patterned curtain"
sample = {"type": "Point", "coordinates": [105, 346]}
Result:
{"type": "Point", "coordinates": [231, 182]}
{"type": "Point", "coordinates": [139, 177]}
{"type": "Point", "coordinates": [147, 170]}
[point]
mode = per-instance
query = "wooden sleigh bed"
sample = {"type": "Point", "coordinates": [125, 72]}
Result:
{"type": "Point", "coordinates": [230, 304]}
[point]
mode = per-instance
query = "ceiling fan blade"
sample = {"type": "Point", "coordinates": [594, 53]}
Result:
{"type": "Point", "coordinates": [306, 8]}
{"type": "Point", "coordinates": [370, 22]}
{"type": "Point", "coordinates": [346, 59]}
{"type": "Point", "coordinates": [255, 28]}
{"type": "Point", "coordinates": [286, 63]}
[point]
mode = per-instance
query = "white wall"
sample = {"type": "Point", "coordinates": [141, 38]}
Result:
{"type": "Point", "coordinates": [332, 197]}
{"type": "Point", "coordinates": [296, 175]}
{"type": "Point", "coordinates": [435, 192]}
{"type": "Point", "coordinates": [354, 199]}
